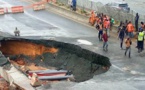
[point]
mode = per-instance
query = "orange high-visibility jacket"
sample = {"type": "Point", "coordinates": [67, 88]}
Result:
{"type": "Point", "coordinates": [105, 24]}
{"type": "Point", "coordinates": [92, 18]}
{"type": "Point", "coordinates": [130, 27]}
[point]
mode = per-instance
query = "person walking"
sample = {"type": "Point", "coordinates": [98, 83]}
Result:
{"type": "Point", "coordinates": [130, 29]}
{"type": "Point", "coordinates": [128, 43]}
{"type": "Point", "coordinates": [111, 23]}
{"type": "Point", "coordinates": [100, 31]}
{"type": "Point", "coordinates": [140, 40]}
{"type": "Point", "coordinates": [136, 21]}
{"type": "Point", "coordinates": [119, 27]}
{"type": "Point", "coordinates": [74, 3]}
{"type": "Point", "coordinates": [121, 36]}
{"type": "Point", "coordinates": [105, 41]}
{"type": "Point", "coordinates": [142, 25]}
{"type": "Point", "coordinates": [92, 18]}
{"type": "Point", "coordinates": [107, 26]}
{"type": "Point", "coordinates": [126, 24]}
{"type": "Point", "coordinates": [142, 28]}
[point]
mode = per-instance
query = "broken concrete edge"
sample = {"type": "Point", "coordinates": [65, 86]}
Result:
{"type": "Point", "coordinates": [5, 74]}
{"type": "Point", "coordinates": [19, 78]}
{"type": "Point", "coordinates": [71, 48]}
{"type": "Point", "coordinates": [19, 86]}
{"type": "Point", "coordinates": [18, 68]}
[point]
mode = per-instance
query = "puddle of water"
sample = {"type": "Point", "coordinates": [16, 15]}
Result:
{"type": "Point", "coordinates": [85, 42]}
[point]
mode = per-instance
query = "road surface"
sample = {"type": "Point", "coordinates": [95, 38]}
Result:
{"type": "Point", "coordinates": [42, 23]}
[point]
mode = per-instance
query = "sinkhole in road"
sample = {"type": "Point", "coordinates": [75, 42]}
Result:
{"type": "Point", "coordinates": [83, 63]}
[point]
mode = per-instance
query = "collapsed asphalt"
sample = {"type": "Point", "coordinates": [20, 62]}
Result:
{"type": "Point", "coordinates": [69, 57]}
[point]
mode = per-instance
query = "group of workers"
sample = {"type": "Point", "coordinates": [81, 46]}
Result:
{"type": "Point", "coordinates": [104, 24]}
{"type": "Point", "coordinates": [128, 29]}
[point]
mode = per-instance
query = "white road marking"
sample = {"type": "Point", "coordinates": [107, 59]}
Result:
{"type": "Point", "coordinates": [117, 67]}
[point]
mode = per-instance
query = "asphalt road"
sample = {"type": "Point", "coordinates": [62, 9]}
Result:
{"type": "Point", "coordinates": [125, 73]}
{"type": "Point", "coordinates": [42, 23]}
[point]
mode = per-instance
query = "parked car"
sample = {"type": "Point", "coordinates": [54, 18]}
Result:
{"type": "Point", "coordinates": [120, 6]}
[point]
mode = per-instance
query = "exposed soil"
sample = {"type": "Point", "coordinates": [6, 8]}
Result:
{"type": "Point", "coordinates": [25, 48]}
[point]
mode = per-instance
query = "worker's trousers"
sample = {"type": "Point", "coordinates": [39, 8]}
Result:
{"type": "Point", "coordinates": [130, 34]}
{"type": "Point", "coordinates": [128, 49]}
{"type": "Point", "coordinates": [140, 46]}
{"type": "Point", "coordinates": [108, 31]}
{"type": "Point", "coordinates": [105, 46]}
{"type": "Point", "coordinates": [100, 34]}
{"type": "Point", "coordinates": [121, 42]}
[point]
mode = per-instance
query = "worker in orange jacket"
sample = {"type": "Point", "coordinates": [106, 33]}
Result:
{"type": "Point", "coordinates": [92, 19]}
{"type": "Point", "coordinates": [105, 24]}
{"type": "Point", "coordinates": [130, 29]}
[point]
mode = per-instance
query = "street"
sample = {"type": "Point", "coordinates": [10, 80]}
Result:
{"type": "Point", "coordinates": [44, 23]}
{"type": "Point", "coordinates": [124, 74]}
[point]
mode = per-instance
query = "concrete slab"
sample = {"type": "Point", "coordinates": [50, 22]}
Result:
{"type": "Point", "coordinates": [20, 79]}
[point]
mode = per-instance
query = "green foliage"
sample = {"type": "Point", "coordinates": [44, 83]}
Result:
{"type": "Point", "coordinates": [83, 11]}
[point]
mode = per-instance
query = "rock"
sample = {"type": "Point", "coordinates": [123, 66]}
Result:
{"type": "Point", "coordinates": [34, 80]}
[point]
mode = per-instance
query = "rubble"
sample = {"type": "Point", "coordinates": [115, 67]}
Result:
{"type": "Point", "coordinates": [4, 85]}
{"type": "Point", "coordinates": [34, 80]}
{"type": "Point", "coordinates": [40, 75]}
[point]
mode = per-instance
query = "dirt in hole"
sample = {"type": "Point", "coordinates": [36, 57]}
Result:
{"type": "Point", "coordinates": [25, 48]}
